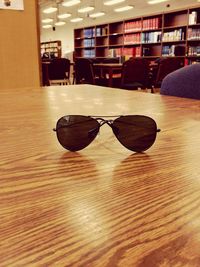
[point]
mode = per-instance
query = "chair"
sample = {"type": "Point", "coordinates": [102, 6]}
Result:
{"type": "Point", "coordinates": [59, 71]}
{"type": "Point", "coordinates": [166, 66]}
{"type": "Point", "coordinates": [184, 82]}
{"type": "Point", "coordinates": [84, 72]}
{"type": "Point", "coordinates": [135, 74]}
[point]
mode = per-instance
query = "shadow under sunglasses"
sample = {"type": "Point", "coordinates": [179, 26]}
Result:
{"type": "Point", "coordinates": [135, 132]}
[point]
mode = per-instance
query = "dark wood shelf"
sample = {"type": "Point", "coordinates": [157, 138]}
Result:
{"type": "Point", "coordinates": [174, 27]}
{"type": "Point", "coordinates": [167, 42]}
{"type": "Point", "coordinates": [193, 40]}
{"type": "Point", "coordinates": [194, 25]}
{"type": "Point", "coordinates": [152, 30]}
{"type": "Point", "coordinates": [193, 56]}
{"type": "Point", "coordinates": [101, 46]}
{"type": "Point", "coordinates": [115, 35]}
{"type": "Point", "coordinates": [131, 32]}
{"type": "Point", "coordinates": [156, 43]}
{"type": "Point", "coordinates": [136, 44]}
{"type": "Point", "coordinates": [101, 36]}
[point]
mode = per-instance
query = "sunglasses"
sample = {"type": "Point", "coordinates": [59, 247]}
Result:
{"type": "Point", "coordinates": [135, 132]}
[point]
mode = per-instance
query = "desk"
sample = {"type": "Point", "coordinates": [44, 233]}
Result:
{"type": "Point", "coordinates": [102, 206]}
{"type": "Point", "coordinates": [109, 68]}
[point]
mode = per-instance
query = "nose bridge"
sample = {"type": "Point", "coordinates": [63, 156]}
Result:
{"type": "Point", "coordinates": [103, 121]}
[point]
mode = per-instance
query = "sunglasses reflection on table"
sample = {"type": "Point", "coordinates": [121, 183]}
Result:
{"type": "Point", "coordinates": [135, 132]}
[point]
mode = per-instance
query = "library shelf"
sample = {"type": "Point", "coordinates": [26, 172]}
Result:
{"type": "Point", "coordinates": [51, 48]}
{"type": "Point", "coordinates": [172, 33]}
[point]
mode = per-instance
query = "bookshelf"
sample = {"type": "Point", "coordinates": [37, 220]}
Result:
{"type": "Point", "coordinates": [176, 33]}
{"type": "Point", "coordinates": [53, 48]}
{"type": "Point", "coordinates": [193, 36]}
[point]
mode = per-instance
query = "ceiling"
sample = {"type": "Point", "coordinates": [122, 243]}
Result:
{"type": "Point", "coordinates": [141, 8]}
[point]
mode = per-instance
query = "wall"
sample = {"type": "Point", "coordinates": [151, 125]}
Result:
{"type": "Point", "coordinates": [64, 33]}
{"type": "Point", "coordinates": [19, 47]}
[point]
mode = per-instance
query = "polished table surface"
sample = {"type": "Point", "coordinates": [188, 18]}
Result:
{"type": "Point", "coordinates": [102, 206]}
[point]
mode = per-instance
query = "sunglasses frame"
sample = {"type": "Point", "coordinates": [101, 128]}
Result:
{"type": "Point", "coordinates": [101, 121]}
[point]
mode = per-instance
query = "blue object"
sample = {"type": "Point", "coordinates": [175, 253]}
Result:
{"type": "Point", "coordinates": [184, 82]}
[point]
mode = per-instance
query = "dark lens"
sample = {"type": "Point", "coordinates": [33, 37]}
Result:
{"type": "Point", "coordinates": [135, 132]}
{"type": "Point", "coordinates": [75, 132]}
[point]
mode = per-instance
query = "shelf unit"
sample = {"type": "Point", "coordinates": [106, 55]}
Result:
{"type": "Point", "coordinates": [175, 33]}
{"type": "Point", "coordinates": [52, 48]}
{"type": "Point", "coordinates": [193, 36]}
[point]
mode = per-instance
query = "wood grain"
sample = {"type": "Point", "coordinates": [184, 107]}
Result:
{"type": "Point", "coordinates": [102, 206]}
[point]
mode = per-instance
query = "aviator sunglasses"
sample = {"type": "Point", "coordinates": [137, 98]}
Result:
{"type": "Point", "coordinates": [135, 132]}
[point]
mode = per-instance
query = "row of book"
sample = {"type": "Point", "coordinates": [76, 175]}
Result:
{"type": "Point", "coordinates": [50, 49]}
{"type": "Point", "coordinates": [151, 37]}
{"type": "Point", "coordinates": [194, 51]}
{"type": "Point", "coordinates": [88, 42]}
{"type": "Point", "coordinates": [134, 38]}
{"type": "Point", "coordinates": [49, 45]}
{"type": "Point", "coordinates": [151, 24]}
{"type": "Point", "coordinates": [132, 26]}
{"type": "Point", "coordinates": [87, 33]}
{"type": "Point", "coordinates": [193, 18]}
{"type": "Point", "coordinates": [146, 37]}
{"type": "Point", "coordinates": [127, 52]}
{"type": "Point", "coordinates": [193, 34]}
{"type": "Point", "coordinates": [191, 61]}
{"type": "Point", "coordinates": [101, 31]}
{"type": "Point", "coordinates": [173, 50]}
{"type": "Point", "coordinates": [138, 25]}
{"type": "Point", "coordinates": [176, 35]}
{"type": "Point", "coordinates": [89, 53]}
{"type": "Point", "coordinates": [168, 50]}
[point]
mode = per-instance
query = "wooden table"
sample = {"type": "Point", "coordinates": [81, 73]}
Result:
{"type": "Point", "coordinates": [102, 206]}
{"type": "Point", "coordinates": [110, 69]}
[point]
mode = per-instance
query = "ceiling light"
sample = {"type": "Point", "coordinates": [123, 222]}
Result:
{"type": "Point", "coordinates": [113, 2]}
{"type": "Point", "coordinates": [46, 26]}
{"type": "Point", "coordinates": [50, 10]}
{"type": "Point", "coordinates": [85, 9]}
{"type": "Point", "coordinates": [71, 3]}
{"type": "Point", "coordinates": [60, 23]}
{"type": "Point", "coordinates": [76, 19]}
{"type": "Point", "coordinates": [152, 2]}
{"type": "Point", "coordinates": [98, 14]}
{"type": "Point", "coordinates": [64, 16]}
{"type": "Point", "coordinates": [124, 8]}
{"type": "Point", "coordinates": [47, 20]}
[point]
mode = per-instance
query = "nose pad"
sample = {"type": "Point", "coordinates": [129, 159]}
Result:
{"type": "Point", "coordinates": [92, 133]}
{"type": "Point", "coordinates": [115, 130]}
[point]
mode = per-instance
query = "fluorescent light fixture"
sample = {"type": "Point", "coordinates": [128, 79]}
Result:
{"type": "Point", "coordinates": [47, 26]}
{"type": "Point", "coordinates": [64, 16]}
{"type": "Point", "coordinates": [124, 8]}
{"type": "Point", "coordinates": [76, 19]}
{"type": "Point", "coordinates": [152, 2]}
{"type": "Point", "coordinates": [50, 10]}
{"type": "Point", "coordinates": [71, 3]}
{"type": "Point", "coordinates": [113, 2]}
{"type": "Point", "coordinates": [85, 9]}
{"type": "Point", "coordinates": [60, 23]}
{"type": "Point", "coordinates": [47, 20]}
{"type": "Point", "coordinates": [96, 15]}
